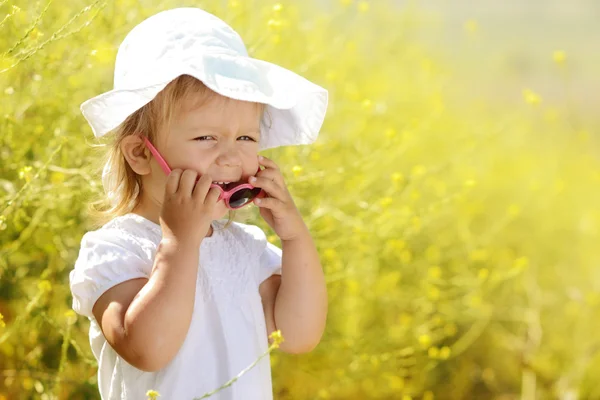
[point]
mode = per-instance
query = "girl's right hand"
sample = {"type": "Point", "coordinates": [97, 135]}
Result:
{"type": "Point", "coordinates": [187, 207]}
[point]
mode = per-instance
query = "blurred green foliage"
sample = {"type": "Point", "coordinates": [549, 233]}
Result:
{"type": "Point", "coordinates": [458, 237]}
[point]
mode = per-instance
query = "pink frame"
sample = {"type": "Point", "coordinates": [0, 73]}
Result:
{"type": "Point", "coordinates": [224, 195]}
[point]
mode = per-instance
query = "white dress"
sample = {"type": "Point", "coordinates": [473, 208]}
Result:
{"type": "Point", "coordinates": [227, 332]}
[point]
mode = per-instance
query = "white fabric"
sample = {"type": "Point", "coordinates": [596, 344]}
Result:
{"type": "Point", "coordinates": [228, 329]}
{"type": "Point", "coordinates": [192, 41]}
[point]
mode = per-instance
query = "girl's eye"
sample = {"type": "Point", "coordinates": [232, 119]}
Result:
{"type": "Point", "coordinates": [202, 138]}
{"type": "Point", "coordinates": [248, 138]}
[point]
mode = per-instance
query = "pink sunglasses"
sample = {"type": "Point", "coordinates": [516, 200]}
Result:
{"type": "Point", "coordinates": [234, 198]}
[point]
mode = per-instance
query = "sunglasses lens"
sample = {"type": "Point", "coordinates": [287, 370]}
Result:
{"type": "Point", "coordinates": [243, 196]}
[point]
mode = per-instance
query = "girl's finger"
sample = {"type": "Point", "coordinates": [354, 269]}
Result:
{"type": "Point", "coordinates": [212, 197]}
{"type": "Point", "coordinates": [201, 188]}
{"type": "Point", "coordinates": [187, 182]}
{"type": "Point", "coordinates": [269, 186]}
{"type": "Point", "coordinates": [272, 175]}
{"type": "Point", "coordinates": [268, 202]}
{"type": "Point", "coordinates": [173, 181]}
{"type": "Point", "coordinates": [262, 160]}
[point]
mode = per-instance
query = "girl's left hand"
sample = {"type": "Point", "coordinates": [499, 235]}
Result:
{"type": "Point", "coordinates": [277, 207]}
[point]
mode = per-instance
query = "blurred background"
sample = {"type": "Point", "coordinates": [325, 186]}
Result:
{"type": "Point", "coordinates": [453, 191]}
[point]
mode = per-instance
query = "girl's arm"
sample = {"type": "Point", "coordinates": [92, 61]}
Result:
{"type": "Point", "coordinates": [146, 320]}
{"type": "Point", "coordinates": [300, 306]}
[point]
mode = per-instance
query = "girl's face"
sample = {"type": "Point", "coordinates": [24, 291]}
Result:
{"type": "Point", "coordinates": [220, 138]}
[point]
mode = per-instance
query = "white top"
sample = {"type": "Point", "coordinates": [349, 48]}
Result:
{"type": "Point", "coordinates": [227, 332]}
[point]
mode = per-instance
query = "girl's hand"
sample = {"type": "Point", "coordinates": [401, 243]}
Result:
{"type": "Point", "coordinates": [187, 207]}
{"type": "Point", "coordinates": [278, 207]}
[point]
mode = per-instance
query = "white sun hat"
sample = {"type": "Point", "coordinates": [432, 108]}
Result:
{"type": "Point", "coordinates": [191, 41]}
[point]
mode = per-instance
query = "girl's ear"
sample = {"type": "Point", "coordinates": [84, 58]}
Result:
{"type": "Point", "coordinates": [137, 155]}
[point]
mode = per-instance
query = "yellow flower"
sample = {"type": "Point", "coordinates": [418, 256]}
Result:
{"type": "Point", "coordinates": [397, 177]}
{"type": "Point", "coordinates": [406, 257]}
{"type": "Point", "coordinates": [435, 272]}
{"type": "Point", "coordinates": [274, 24]}
{"type": "Point", "coordinates": [233, 4]}
{"type": "Point", "coordinates": [483, 273]}
{"type": "Point", "coordinates": [521, 263]}
{"type": "Point", "coordinates": [71, 317]}
{"type": "Point", "coordinates": [277, 338]}
{"type": "Point", "coordinates": [513, 210]}
{"type": "Point", "coordinates": [559, 56]}
{"type": "Point", "coordinates": [44, 286]}
{"type": "Point", "coordinates": [433, 293]}
{"type": "Point", "coordinates": [479, 255]}
{"type": "Point", "coordinates": [445, 352]}
{"type": "Point", "coordinates": [433, 352]}
{"type": "Point", "coordinates": [152, 394]}
{"type": "Point", "coordinates": [471, 26]}
{"type": "Point", "coordinates": [390, 132]}
{"type": "Point", "coordinates": [363, 6]}
{"type": "Point", "coordinates": [297, 170]}
{"type": "Point", "coordinates": [386, 201]}
{"type": "Point", "coordinates": [418, 170]}
{"type": "Point", "coordinates": [531, 97]}
{"type": "Point", "coordinates": [450, 329]}
{"type": "Point", "coordinates": [277, 7]}
{"type": "Point", "coordinates": [346, 3]}
{"type": "Point", "coordinates": [433, 254]}
{"type": "Point", "coordinates": [2, 324]}
{"type": "Point", "coordinates": [425, 340]}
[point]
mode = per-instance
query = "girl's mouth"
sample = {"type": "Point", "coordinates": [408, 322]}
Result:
{"type": "Point", "coordinates": [227, 185]}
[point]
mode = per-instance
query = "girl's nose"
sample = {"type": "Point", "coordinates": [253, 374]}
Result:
{"type": "Point", "coordinates": [228, 156]}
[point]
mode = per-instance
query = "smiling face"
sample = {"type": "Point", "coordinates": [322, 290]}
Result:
{"type": "Point", "coordinates": [218, 137]}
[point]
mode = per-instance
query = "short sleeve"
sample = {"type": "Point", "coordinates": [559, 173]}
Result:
{"type": "Point", "coordinates": [270, 262]}
{"type": "Point", "coordinates": [106, 258]}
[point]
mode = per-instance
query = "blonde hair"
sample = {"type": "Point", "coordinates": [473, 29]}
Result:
{"type": "Point", "coordinates": [146, 121]}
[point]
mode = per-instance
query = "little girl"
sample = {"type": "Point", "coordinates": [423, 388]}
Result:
{"type": "Point", "coordinates": [178, 301]}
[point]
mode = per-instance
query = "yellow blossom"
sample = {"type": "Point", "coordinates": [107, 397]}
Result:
{"type": "Point", "coordinates": [274, 24]}
{"type": "Point", "coordinates": [2, 324]}
{"type": "Point", "coordinates": [559, 56]}
{"type": "Point", "coordinates": [433, 352]}
{"type": "Point", "coordinates": [386, 201]}
{"type": "Point", "coordinates": [297, 170]}
{"type": "Point", "coordinates": [483, 273]}
{"type": "Point", "coordinates": [418, 170]}
{"type": "Point", "coordinates": [152, 394]}
{"type": "Point", "coordinates": [521, 263]}
{"type": "Point", "coordinates": [71, 317]}
{"type": "Point", "coordinates": [44, 286]}
{"type": "Point", "coordinates": [445, 352]}
{"type": "Point", "coordinates": [531, 97]}
{"type": "Point", "coordinates": [390, 132]}
{"type": "Point", "coordinates": [435, 272]}
{"type": "Point", "coordinates": [471, 26]}
{"type": "Point", "coordinates": [277, 7]}
{"type": "Point", "coordinates": [425, 340]}
{"type": "Point", "coordinates": [397, 177]}
{"type": "Point", "coordinates": [277, 338]}
{"type": "Point", "coordinates": [450, 329]}
{"type": "Point", "coordinates": [363, 6]}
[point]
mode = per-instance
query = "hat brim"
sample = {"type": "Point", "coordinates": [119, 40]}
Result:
{"type": "Point", "coordinates": [297, 106]}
